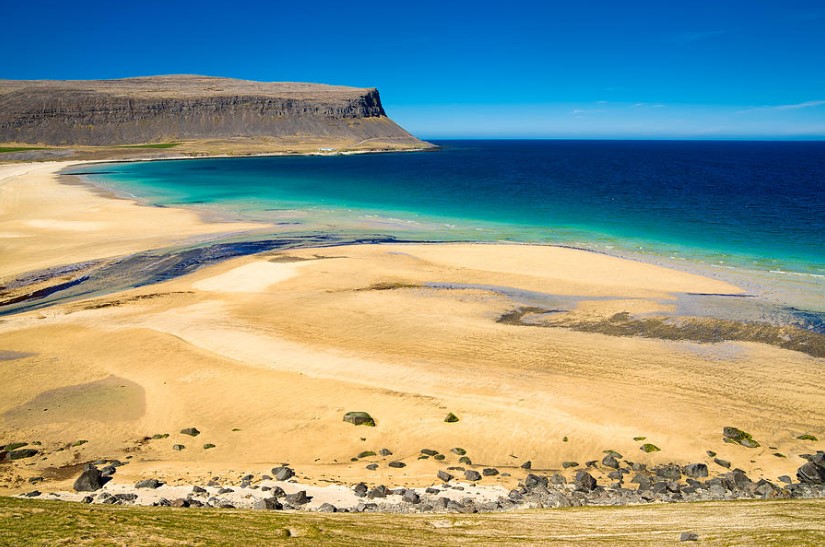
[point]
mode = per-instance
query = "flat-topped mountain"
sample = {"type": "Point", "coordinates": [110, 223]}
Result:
{"type": "Point", "coordinates": [161, 109]}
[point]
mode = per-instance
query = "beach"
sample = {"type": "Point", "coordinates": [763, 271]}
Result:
{"type": "Point", "coordinates": [265, 354]}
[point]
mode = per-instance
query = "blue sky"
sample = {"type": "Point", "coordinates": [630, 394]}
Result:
{"type": "Point", "coordinates": [573, 69]}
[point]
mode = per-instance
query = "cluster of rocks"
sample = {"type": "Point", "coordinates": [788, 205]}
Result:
{"type": "Point", "coordinates": [630, 483]}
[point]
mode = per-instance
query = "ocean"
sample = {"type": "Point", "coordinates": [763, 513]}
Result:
{"type": "Point", "coordinates": [753, 205]}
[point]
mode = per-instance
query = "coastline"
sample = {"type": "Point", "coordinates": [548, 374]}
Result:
{"type": "Point", "coordinates": [407, 332]}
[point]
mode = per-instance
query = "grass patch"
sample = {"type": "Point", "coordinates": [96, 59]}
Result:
{"type": "Point", "coordinates": [5, 149]}
{"type": "Point", "coordinates": [647, 447]}
{"type": "Point", "coordinates": [807, 437]}
{"type": "Point", "coordinates": [151, 145]}
{"type": "Point", "coordinates": [36, 522]}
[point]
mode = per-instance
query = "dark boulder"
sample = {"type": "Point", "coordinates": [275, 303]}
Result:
{"type": "Point", "coordinates": [811, 473]}
{"type": "Point", "coordinates": [90, 480]}
{"type": "Point", "coordinates": [21, 454]}
{"type": "Point", "coordinates": [359, 418]}
{"type": "Point", "coordinates": [527, 465]}
{"type": "Point", "coordinates": [585, 482]}
{"type": "Point", "coordinates": [298, 498]}
{"type": "Point", "coordinates": [327, 508]}
{"type": "Point", "coordinates": [569, 464]}
{"type": "Point", "coordinates": [722, 463]}
{"type": "Point", "coordinates": [283, 473]}
{"type": "Point", "coordinates": [149, 483]}
{"type": "Point", "coordinates": [191, 431]}
{"type": "Point", "coordinates": [533, 481]}
{"type": "Point", "coordinates": [471, 475]}
{"type": "Point", "coordinates": [610, 461]}
{"type": "Point", "coordinates": [411, 497]}
{"type": "Point", "coordinates": [489, 472]}
{"type": "Point", "coordinates": [444, 476]}
{"type": "Point", "coordinates": [397, 465]}
{"type": "Point", "coordinates": [268, 504]}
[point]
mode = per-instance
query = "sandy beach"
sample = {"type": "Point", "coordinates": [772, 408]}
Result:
{"type": "Point", "coordinates": [265, 354]}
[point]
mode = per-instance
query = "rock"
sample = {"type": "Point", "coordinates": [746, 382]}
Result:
{"type": "Point", "coordinates": [178, 447]}
{"type": "Point", "coordinates": [191, 431]}
{"type": "Point", "coordinates": [298, 498]}
{"type": "Point", "coordinates": [458, 451]}
{"type": "Point", "coordinates": [737, 436]}
{"type": "Point", "coordinates": [397, 465]}
{"type": "Point", "coordinates": [378, 492]}
{"type": "Point", "coordinates": [532, 481]}
{"type": "Point", "coordinates": [360, 489]}
{"type": "Point", "coordinates": [207, 446]}
{"type": "Point", "coordinates": [807, 437]}
{"type": "Point", "coordinates": [223, 491]}
{"type": "Point", "coordinates": [489, 472]}
{"type": "Point", "coordinates": [785, 478]}
{"type": "Point", "coordinates": [149, 483]}
{"type": "Point", "coordinates": [440, 457]}
{"type": "Point", "coordinates": [451, 418]}
{"type": "Point", "coordinates": [366, 454]}
{"type": "Point", "coordinates": [372, 466]}
{"type": "Point", "coordinates": [527, 465]}
{"type": "Point", "coordinates": [32, 494]}
{"type": "Point", "coordinates": [696, 470]}
{"type": "Point", "coordinates": [90, 480]}
{"type": "Point", "coordinates": [688, 536]}
{"type": "Point", "coordinates": [585, 482]}
{"type": "Point", "coordinates": [569, 464]}
{"type": "Point", "coordinates": [180, 502]}
{"type": "Point", "coordinates": [444, 476]}
{"type": "Point", "coordinates": [432, 490]}
{"type": "Point", "coordinates": [267, 504]}
{"type": "Point", "coordinates": [555, 478]}
{"type": "Point", "coordinates": [515, 495]}
{"type": "Point", "coordinates": [198, 490]}
{"type": "Point", "coordinates": [811, 473]}
{"type": "Point", "coordinates": [109, 470]}
{"type": "Point", "coordinates": [327, 508]}
{"type": "Point", "coordinates": [283, 473]}
{"type": "Point", "coordinates": [429, 451]}
{"type": "Point", "coordinates": [615, 475]}
{"type": "Point", "coordinates": [722, 463]}
{"type": "Point", "coordinates": [465, 460]}
{"type": "Point", "coordinates": [671, 471]}
{"type": "Point", "coordinates": [87, 499]}
{"type": "Point", "coordinates": [610, 461]}
{"type": "Point", "coordinates": [359, 418]}
{"type": "Point", "coordinates": [366, 507]}
{"type": "Point", "coordinates": [471, 475]}
{"type": "Point", "coordinates": [411, 497]}
{"type": "Point", "coordinates": [385, 452]}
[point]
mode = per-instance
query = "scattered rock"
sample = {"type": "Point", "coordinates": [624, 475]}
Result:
{"type": "Point", "coordinates": [811, 473]}
{"type": "Point", "coordinates": [807, 437]}
{"type": "Point", "coordinates": [372, 466]}
{"type": "Point", "coordinates": [785, 478]}
{"type": "Point", "coordinates": [90, 480]}
{"type": "Point", "coordinates": [471, 475]}
{"type": "Point", "coordinates": [397, 465]}
{"type": "Point", "coordinates": [32, 494]}
{"type": "Point", "coordinates": [527, 465]}
{"type": "Point", "coordinates": [722, 463]}
{"type": "Point", "coordinates": [458, 451]}
{"type": "Point", "coordinates": [267, 504]}
{"type": "Point", "coordinates": [610, 461]}
{"type": "Point", "coordinates": [429, 451]}
{"type": "Point", "coordinates": [411, 497]}
{"type": "Point", "coordinates": [180, 502]}
{"type": "Point", "coordinates": [149, 483]}
{"type": "Point", "coordinates": [327, 508]}
{"type": "Point", "coordinates": [283, 473]}
{"type": "Point", "coordinates": [532, 481]}
{"type": "Point", "coordinates": [360, 489]}
{"type": "Point", "coordinates": [465, 460]}
{"type": "Point", "coordinates": [444, 476]}
{"type": "Point", "coordinates": [207, 446]}
{"type": "Point", "coordinates": [585, 482]}
{"type": "Point", "coordinates": [366, 454]}
{"type": "Point", "coordinates": [191, 431]}
{"type": "Point", "coordinates": [298, 498]}
{"type": "Point", "coordinates": [567, 465]}
{"type": "Point", "coordinates": [451, 418]}
{"type": "Point", "coordinates": [359, 418]}
{"type": "Point", "coordinates": [198, 490]}
{"type": "Point", "coordinates": [385, 452]}
{"type": "Point", "coordinates": [21, 454]}
{"type": "Point", "coordinates": [223, 491]}
{"type": "Point", "coordinates": [489, 472]}
{"type": "Point", "coordinates": [178, 447]}
{"type": "Point", "coordinates": [688, 536]}
{"type": "Point", "coordinates": [737, 436]}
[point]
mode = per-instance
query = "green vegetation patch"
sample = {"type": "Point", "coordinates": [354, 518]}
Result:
{"type": "Point", "coordinates": [735, 435]}
{"type": "Point", "coordinates": [647, 447]}
{"type": "Point", "coordinates": [5, 149]}
{"type": "Point", "coordinates": [451, 418]}
{"type": "Point", "coordinates": [13, 446]}
{"type": "Point", "coordinates": [807, 437]}
{"type": "Point", "coordinates": [366, 454]}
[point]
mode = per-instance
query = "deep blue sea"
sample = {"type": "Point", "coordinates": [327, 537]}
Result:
{"type": "Point", "coordinates": [752, 205]}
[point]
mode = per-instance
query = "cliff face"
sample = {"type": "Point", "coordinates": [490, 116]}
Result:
{"type": "Point", "coordinates": [170, 108]}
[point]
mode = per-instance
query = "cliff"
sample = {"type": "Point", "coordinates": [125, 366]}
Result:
{"type": "Point", "coordinates": [183, 108]}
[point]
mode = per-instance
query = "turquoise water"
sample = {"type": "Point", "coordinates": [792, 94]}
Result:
{"type": "Point", "coordinates": [753, 205]}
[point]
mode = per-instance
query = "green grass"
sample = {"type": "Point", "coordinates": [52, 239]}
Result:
{"type": "Point", "coordinates": [155, 145]}
{"type": "Point", "coordinates": [4, 149]}
{"type": "Point", "coordinates": [36, 522]}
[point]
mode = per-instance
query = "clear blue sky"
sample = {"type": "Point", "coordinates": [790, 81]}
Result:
{"type": "Point", "coordinates": [590, 69]}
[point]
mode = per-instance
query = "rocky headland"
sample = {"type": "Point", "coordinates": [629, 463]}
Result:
{"type": "Point", "coordinates": [185, 115]}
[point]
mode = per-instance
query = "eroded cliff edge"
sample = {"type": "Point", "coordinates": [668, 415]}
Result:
{"type": "Point", "coordinates": [223, 112]}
